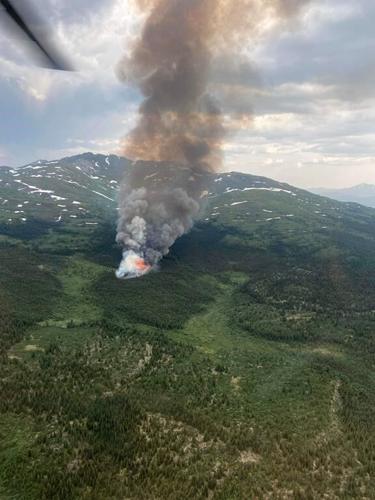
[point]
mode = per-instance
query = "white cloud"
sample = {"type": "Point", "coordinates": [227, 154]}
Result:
{"type": "Point", "coordinates": [277, 122]}
{"type": "Point", "coordinates": [93, 44]}
{"type": "Point", "coordinates": [325, 12]}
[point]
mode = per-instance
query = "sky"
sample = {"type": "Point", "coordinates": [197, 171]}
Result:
{"type": "Point", "coordinates": [309, 90]}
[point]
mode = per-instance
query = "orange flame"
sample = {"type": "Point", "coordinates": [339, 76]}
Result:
{"type": "Point", "coordinates": [141, 265]}
{"type": "Point", "coordinates": [132, 266]}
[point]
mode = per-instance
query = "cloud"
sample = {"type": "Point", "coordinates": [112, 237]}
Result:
{"type": "Point", "coordinates": [299, 104]}
{"type": "Point", "coordinates": [93, 43]}
{"type": "Point", "coordinates": [42, 109]}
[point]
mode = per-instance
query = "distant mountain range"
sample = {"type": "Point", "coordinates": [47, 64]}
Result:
{"type": "Point", "coordinates": [362, 193]}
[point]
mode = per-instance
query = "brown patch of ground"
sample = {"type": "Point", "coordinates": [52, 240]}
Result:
{"type": "Point", "coordinates": [32, 348]}
{"type": "Point", "coordinates": [235, 382]}
{"type": "Point", "coordinates": [248, 457]}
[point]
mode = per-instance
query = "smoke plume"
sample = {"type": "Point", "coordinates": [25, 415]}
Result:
{"type": "Point", "coordinates": [179, 134]}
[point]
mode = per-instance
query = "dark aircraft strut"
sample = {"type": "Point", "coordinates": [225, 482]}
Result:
{"type": "Point", "coordinates": [52, 58]}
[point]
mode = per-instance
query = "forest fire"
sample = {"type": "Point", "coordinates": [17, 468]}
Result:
{"type": "Point", "coordinates": [132, 266]}
{"type": "Point", "coordinates": [180, 120]}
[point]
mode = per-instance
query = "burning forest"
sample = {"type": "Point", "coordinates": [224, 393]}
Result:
{"type": "Point", "coordinates": [177, 141]}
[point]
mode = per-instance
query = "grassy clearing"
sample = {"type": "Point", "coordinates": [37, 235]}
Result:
{"type": "Point", "coordinates": [45, 338]}
{"type": "Point", "coordinates": [76, 305]}
{"type": "Point", "coordinates": [209, 330]}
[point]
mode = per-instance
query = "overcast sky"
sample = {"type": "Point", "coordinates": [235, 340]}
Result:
{"type": "Point", "coordinates": [311, 87]}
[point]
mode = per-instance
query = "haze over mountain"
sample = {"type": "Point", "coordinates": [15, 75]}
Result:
{"type": "Point", "coordinates": [242, 368]}
{"type": "Point", "coordinates": [362, 193]}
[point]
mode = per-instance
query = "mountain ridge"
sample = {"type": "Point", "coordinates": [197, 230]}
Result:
{"type": "Point", "coordinates": [363, 194]}
{"type": "Point", "coordinates": [90, 176]}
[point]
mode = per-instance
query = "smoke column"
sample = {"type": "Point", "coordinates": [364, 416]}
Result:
{"type": "Point", "coordinates": [178, 138]}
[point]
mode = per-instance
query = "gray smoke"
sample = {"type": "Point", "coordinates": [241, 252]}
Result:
{"type": "Point", "coordinates": [158, 204]}
{"type": "Point", "coordinates": [180, 127]}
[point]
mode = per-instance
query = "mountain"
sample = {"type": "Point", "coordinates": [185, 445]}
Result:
{"type": "Point", "coordinates": [363, 194]}
{"type": "Point", "coordinates": [242, 368]}
{"type": "Point", "coordinates": [40, 189]}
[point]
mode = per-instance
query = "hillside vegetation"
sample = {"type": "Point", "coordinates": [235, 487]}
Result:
{"type": "Point", "coordinates": [243, 368]}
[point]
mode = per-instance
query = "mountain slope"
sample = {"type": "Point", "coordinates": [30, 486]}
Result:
{"type": "Point", "coordinates": [248, 355]}
{"type": "Point", "coordinates": [56, 190]}
{"type": "Point", "coordinates": [81, 191]}
{"type": "Point", "coordinates": [363, 194]}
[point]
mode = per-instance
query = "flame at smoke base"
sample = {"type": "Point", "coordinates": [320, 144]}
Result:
{"type": "Point", "coordinates": [132, 266]}
{"type": "Point", "coordinates": [178, 121]}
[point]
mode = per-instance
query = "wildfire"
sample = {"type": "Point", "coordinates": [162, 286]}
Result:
{"type": "Point", "coordinates": [132, 266]}
{"type": "Point", "coordinates": [141, 265]}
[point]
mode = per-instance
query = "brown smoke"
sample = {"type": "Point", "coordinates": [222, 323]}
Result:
{"type": "Point", "coordinates": [171, 62]}
{"type": "Point", "coordinates": [180, 128]}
